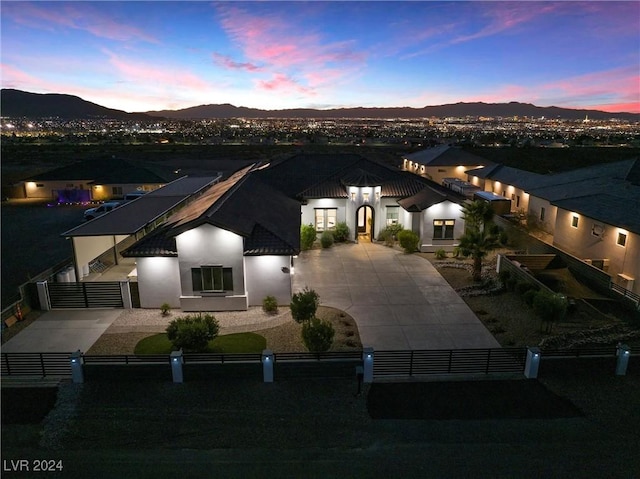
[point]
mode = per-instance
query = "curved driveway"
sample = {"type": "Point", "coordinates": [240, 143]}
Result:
{"type": "Point", "coordinates": [399, 301]}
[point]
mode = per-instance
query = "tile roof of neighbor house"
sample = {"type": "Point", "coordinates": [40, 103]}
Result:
{"type": "Point", "coordinates": [268, 220]}
{"type": "Point", "coordinates": [508, 176]}
{"type": "Point", "coordinates": [103, 171]}
{"type": "Point", "coordinates": [134, 215]}
{"type": "Point", "coordinates": [609, 209]}
{"type": "Point", "coordinates": [446, 155]}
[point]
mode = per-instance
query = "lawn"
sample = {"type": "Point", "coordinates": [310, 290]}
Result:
{"type": "Point", "coordinates": [227, 344]}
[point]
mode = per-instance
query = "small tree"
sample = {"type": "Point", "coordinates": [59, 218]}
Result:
{"type": "Point", "coordinates": [326, 239]}
{"type": "Point", "coordinates": [165, 309]}
{"type": "Point", "coordinates": [307, 236]}
{"type": "Point", "coordinates": [550, 308]}
{"type": "Point", "coordinates": [477, 244]}
{"type": "Point", "coordinates": [408, 240]}
{"type": "Point", "coordinates": [440, 254]}
{"type": "Point", "coordinates": [317, 335]}
{"type": "Point", "coordinates": [193, 333]}
{"type": "Point", "coordinates": [341, 233]}
{"type": "Point", "coordinates": [304, 305]}
{"type": "Point", "coordinates": [270, 304]}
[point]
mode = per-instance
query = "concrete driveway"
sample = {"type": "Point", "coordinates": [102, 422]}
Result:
{"type": "Point", "coordinates": [399, 301]}
{"type": "Point", "coordinates": [62, 331]}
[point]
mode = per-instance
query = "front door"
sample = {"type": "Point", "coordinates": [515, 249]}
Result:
{"type": "Point", "coordinates": [364, 223]}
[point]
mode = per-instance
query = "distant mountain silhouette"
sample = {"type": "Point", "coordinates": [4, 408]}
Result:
{"type": "Point", "coordinates": [442, 111]}
{"type": "Point", "coordinates": [17, 103]}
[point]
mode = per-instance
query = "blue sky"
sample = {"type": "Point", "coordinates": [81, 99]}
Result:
{"type": "Point", "coordinates": [141, 56]}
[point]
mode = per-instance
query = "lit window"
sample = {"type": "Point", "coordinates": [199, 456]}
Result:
{"type": "Point", "coordinates": [574, 221]}
{"type": "Point", "coordinates": [393, 215]}
{"type": "Point", "coordinates": [116, 190]}
{"type": "Point", "coordinates": [326, 218]}
{"type": "Point", "coordinates": [212, 278]}
{"type": "Point", "coordinates": [622, 239]}
{"type": "Point", "coordinates": [443, 229]}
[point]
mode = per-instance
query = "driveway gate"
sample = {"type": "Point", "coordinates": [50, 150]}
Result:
{"type": "Point", "coordinates": [107, 294]}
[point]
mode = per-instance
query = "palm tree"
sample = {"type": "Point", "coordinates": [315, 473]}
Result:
{"type": "Point", "coordinates": [477, 241]}
{"type": "Point", "coordinates": [477, 244]}
{"type": "Point", "coordinates": [477, 214]}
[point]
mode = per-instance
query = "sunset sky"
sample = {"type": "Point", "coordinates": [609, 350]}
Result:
{"type": "Point", "coordinates": [141, 56]}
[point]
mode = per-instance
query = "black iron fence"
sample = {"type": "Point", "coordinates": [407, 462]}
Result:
{"type": "Point", "coordinates": [36, 364]}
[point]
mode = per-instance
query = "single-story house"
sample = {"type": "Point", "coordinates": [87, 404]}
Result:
{"type": "Point", "coordinates": [443, 161]}
{"type": "Point", "coordinates": [93, 180]}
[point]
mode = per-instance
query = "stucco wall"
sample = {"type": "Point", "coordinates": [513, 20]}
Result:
{"type": "Point", "coordinates": [209, 245]}
{"type": "Point", "coordinates": [582, 243]}
{"type": "Point", "coordinates": [265, 277]}
{"type": "Point", "coordinates": [511, 192]}
{"type": "Point", "coordinates": [535, 204]}
{"type": "Point", "coordinates": [158, 282]}
{"type": "Point", "coordinates": [46, 191]}
{"type": "Point", "coordinates": [447, 210]}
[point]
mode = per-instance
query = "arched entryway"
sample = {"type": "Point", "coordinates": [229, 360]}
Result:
{"type": "Point", "coordinates": [365, 223]}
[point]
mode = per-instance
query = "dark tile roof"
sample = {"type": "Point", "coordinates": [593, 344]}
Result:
{"type": "Point", "coordinates": [158, 243]}
{"type": "Point", "coordinates": [429, 196]}
{"type": "Point", "coordinates": [103, 171]}
{"type": "Point", "coordinates": [268, 220]}
{"type": "Point", "coordinates": [364, 172]}
{"type": "Point", "coordinates": [612, 210]}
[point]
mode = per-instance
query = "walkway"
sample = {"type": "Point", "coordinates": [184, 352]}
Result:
{"type": "Point", "coordinates": [399, 301]}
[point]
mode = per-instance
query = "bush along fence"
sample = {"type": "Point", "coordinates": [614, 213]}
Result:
{"type": "Point", "coordinates": [366, 365]}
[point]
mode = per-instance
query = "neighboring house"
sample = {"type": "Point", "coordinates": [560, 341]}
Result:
{"type": "Point", "coordinates": [444, 161]}
{"type": "Point", "coordinates": [225, 251]}
{"type": "Point", "coordinates": [92, 180]}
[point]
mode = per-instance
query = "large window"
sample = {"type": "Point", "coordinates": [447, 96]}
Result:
{"type": "Point", "coordinates": [116, 190]}
{"type": "Point", "coordinates": [622, 239]}
{"type": "Point", "coordinates": [212, 278]}
{"type": "Point", "coordinates": [326, 218]}
{"type": "Point", "coordinates": [393, 213]}
{"type": "Point", "coordinates": [443, 229]}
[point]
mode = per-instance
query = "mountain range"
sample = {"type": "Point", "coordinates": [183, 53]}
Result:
{"type": "Point", "coordinates": [17, 103]}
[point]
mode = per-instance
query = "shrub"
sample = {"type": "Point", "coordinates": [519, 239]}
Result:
{"type": "Point", "coordinates": [440, 254]}
{"type": "Point", "coordinates": [165, 308]}
{"type": "Point", "coordinates": [523, 286]}
{"type": "Point", "coordinates": [550, 307]}
{"type": "Point", "coordinates": [270, 304]}
{"type": "Point", "coordinates": [304, 305]}
{"type": "Point", "coordinates": [408, 240]}
{"type": "Point", "coordinates": [317, 335]}
{"type": "Point", "coordinates": [503, 238]}
{"type": "Point", "coordinates": [193, 333]}
{"type": "Point", "coordinates": [511, 283]}
{"type": "Point", "coordinates": [326, 239]}
{"type": "Point", "coordinates": [389, 234]}
{"type": "Point", "coordinates": [307, 236]}
{"type": "Point", "coordinates": [529, 295]}
{"type": "Point", "coordinates": [341, 233]}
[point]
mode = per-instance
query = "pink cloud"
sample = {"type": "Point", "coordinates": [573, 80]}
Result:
{"type": "Point", "coordinates": [166, 76]}
{"type": "Point", "coordinates": [227, 62]}
{"type": "Point", "coordinates": [280, 82]}
{"type": "Point", "coordinates": [77, 16]}
{"type": "Point", "coordinates": [274, 43]}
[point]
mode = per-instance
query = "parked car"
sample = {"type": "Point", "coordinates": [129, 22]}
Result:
{"type": "Point", "coordinates": [92, 213]}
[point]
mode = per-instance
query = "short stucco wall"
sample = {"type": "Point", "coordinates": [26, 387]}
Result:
{"type": "Point", "coordinates": [268, 276]}
{"type": "Point", "coordinates": [158, 282]}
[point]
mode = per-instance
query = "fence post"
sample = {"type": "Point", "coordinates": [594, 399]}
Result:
{"type": "Point", "coordinates": [267, 365]}
{"type": "Point", "coordinates": [623, 352]}
{"type": "Point", "coordinates": [43, 295]}
{"type": "Point", "coordinates": [367, 359]}
{"type": "Point", "coordinates": [125, 292]}
{"type": "Point", "coordinates": [77, 374]}
{"type": "Point", "coordinates": [532, 364]}
{"type": "Point", "coordinates": [176, 366]}
{"type": "Point", "coordinates": [498, 263]}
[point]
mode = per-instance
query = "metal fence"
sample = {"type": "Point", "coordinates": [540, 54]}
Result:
{"type": "Point", "coordinates": [36, 364]}
{"type": "Point", "coordinates": [449, 361]}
